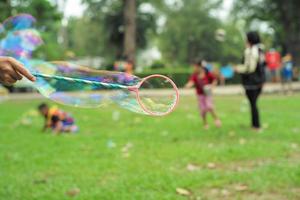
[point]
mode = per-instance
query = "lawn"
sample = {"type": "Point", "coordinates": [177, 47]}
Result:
{"type": "Point", "coordinates": [121, 155]}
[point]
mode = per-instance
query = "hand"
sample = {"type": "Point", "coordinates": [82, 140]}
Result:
{"type": "Point", "coordinates": [208, 89]}
{"type": "Point", "coordinates": [12, 71]}
{"type": "Point", "coordinates": [235, 69]}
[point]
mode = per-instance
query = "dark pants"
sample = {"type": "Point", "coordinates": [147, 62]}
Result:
{"type": "Point", "coordinates": [252, 96]}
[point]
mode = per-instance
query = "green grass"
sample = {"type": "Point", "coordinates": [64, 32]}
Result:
{"type": "Point", "coordinates": [232, 162]}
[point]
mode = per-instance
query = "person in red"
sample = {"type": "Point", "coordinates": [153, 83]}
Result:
{"type": "Point", "coordinates": [204, 81]}
{"type": "Point", "coordinates": [273, 61]}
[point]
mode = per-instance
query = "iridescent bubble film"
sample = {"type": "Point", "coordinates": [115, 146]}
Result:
{"type": "Point", "coordinates": [79, 86]}
{"type": "Point", "coordinates": [19, 22]}
{"type": "Point", "coordinates": [157, 95]}
{"type": "Point", "coordinates": [19, 38]}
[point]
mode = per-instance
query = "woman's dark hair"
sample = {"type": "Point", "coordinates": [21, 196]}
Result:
{"type": "Point", "coordinates": [199, 63]}
{"type": "Point", "coordinates": [253, 37]}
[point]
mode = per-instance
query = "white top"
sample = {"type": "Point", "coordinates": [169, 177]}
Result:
{"type": "Point", "coordinates": [251, 56]}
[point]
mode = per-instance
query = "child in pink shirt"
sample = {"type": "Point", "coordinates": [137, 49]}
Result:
{"type": "Point", "coordinates": [204, 81]}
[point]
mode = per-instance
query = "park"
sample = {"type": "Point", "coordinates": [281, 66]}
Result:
{"type": "Point", "coordinates": [111, 136]}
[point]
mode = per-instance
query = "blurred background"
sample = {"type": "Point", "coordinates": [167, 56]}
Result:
{"type": "Point", "coordinates": [160, 36]}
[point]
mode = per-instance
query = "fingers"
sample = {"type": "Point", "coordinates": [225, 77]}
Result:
{"type": "Point", "coordinates": [18, 67]}
{"type": "Point", "coordinates": [8, 79]}
{"type": "Point", "coordinates": [15, 75]}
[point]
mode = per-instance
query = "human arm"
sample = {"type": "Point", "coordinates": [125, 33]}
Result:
{"type": "Point", "coordinates": [11, 71]}
{"type": "Point", "coordinates": [213, 82]}
{"type": "Point", "coordinates": [189, 84]}
{"type": "Point", "coordinates": [46, 126]}
{"type": "Point", "coordinates": [251, 56]}
{"type": "Point", "coordinates": [58, 127]}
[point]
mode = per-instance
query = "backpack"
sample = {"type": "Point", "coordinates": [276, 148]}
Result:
{"type": "Point", "coordinates": [258, 77]}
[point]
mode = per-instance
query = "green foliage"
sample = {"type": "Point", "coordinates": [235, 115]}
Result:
{"type": "Point", "coordinates": [158, 64]}
{"type": "Point", "coordinates": [189, 34]}
{"type": "Point", "coordinates": [105, 21]}
{"type": "Point", "coordinates": [281, 16]}
{"type": "Point", "coordinates": [231, 50]}
{"type": "Point", "coordinates": [85, 37]}
{"type": "Point", "coordinates": [180, 78]}
{"type": "Point", "coordinates": [181, 75]}
{"type": "Point", "coordinates": [6, 9]}
{"type": "Point", "coordinates": [183, 34]}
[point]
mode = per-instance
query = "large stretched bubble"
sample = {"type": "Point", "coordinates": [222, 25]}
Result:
{"type": "Point", "coordinates": [79, 86]}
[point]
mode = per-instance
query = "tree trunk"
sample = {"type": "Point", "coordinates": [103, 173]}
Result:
{"type": "Point", "coordinates": [293, 47]}
{"type": "Point", "coordinates": [130, 29]}
{"type": "Point", "coordinates": [292, 43]}
{"type": "Point", "coordinates": [8, 3]}
{"type": "Point", "coordinates": [289, 18]}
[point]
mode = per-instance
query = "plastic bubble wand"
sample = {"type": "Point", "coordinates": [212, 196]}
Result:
{"type": "Point", "coordinates": [134, 88]}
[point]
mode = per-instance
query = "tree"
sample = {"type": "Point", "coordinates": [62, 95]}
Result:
{"type": "Point", "coordinates": [130, 29]}
{"type": "Point", "coordinates": [88, 42]}
{"type": "Point", "coordinates": [6, 9]}
{"type": "Point", "coordinates": [281, 15]}
{"type": "Point", "coordinates": [124, 28]}
{"type": "Point", "coordinates": [189, 34]}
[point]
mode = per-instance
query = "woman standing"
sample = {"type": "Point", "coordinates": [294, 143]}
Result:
{"type": "Point", "coordinates": [253, 74]}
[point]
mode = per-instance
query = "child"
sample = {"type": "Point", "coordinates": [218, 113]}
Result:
{"type": "Point", "coordinates": [57, 120]}
{"type": "Point", "coordinates": [287, 73]}
{"type": "Point", "coordinates": [203, 80]}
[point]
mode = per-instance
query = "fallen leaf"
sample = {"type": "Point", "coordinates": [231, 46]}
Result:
{"type": "Point", "coordinates": [73, 192]}
{"type": "Point", "coordinates": [26, 121]}
{"type": "Point", "coordinates": [241, 187]}
{"type": "Point", "coordinates": [191, 167]}
{"type": "Point", "coordinates": [239, 169]}
{"type": "Point", "coordinates": [231, 133]}
{"type": "Point", "coordinates": [225, 192]}
{"type": "Point", "coordinates": [211, 145]}
{"type": "Point", "coordinates": [211, 165]}
{"type": "Point", "coordinates": [214, 191]}
{"type": "Point", "coordinates": [126, 155]}
{"type": "Point", "coordinates": [183, 192]}
{"type": "Point", "coordinates": [294, 146]}
{"type": "Point", "coordinates": [126, 148]}
{"type": "Point", "coordinates": [242, 141]}
{"type": "Point", "coordinates": [296, 130]}
{"type": "Point", "coordinates": [265, 126]}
